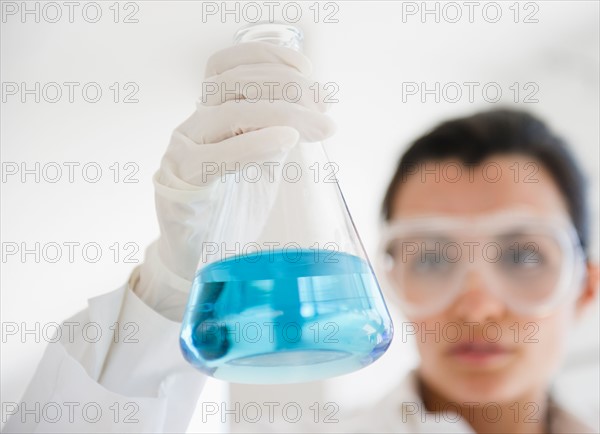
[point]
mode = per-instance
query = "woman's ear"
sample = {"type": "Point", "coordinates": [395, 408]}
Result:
{"type": "Point", "coordinates": [590, 289]}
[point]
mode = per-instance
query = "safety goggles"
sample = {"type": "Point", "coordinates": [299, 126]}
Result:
{"type": "Point", "coordinates": [530, 262]}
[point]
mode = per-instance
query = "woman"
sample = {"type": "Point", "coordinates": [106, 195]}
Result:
{"type": "Point", "coordinates": [133, 377]}
{"type": "Point", "coordinates": [497, 191]}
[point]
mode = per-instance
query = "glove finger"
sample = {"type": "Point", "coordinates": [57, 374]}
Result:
{"type": "Point", "coordinates": [199, 165]}
{"type": "Point", "coordinates": [256, 52]}
{"type": "Point", "coordinates": [218, 123]}
{"type": "Point", "coordinates": [263, 82]}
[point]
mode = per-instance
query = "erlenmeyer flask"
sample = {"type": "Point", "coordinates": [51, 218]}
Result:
{"type": "Point", "coordinates": [284, 291]}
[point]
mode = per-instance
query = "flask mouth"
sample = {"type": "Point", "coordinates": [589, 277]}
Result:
{"type": "Point", "coordinates": [276, 33]}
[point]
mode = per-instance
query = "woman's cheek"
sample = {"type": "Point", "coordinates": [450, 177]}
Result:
{"type": "Point", "coordinates": [545, 349]}
{"type": "Point", "coordinates": [432, 345]}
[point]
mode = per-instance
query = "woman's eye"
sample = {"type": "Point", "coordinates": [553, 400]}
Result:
{"type": "Point", "coordinates": [430, 262]}
{"type": "Point", "coordinates": [524, 258]}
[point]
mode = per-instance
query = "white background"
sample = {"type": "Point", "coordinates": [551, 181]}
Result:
{"type": "Point", "coordinates": [369, 53]}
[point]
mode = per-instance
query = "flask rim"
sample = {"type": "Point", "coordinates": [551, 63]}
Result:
{"type": "Point", "coordinates": [274, 32]}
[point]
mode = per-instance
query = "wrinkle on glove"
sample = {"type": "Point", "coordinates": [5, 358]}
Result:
{"type": "Point", "coordinates": [255, 83]}
{"type": "Point", "coordinates": [210, 125]}
{"type": "Point", "coordinates": [267, 144]}
{"type": "Point", "coordinates": [250, 53]}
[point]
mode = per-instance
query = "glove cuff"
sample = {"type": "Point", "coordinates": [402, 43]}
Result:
{"type": "Point", "coordinates": [160, 288]}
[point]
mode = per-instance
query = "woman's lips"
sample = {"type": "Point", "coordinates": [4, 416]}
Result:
{"type": "Point", "coordinates": [479, 353]}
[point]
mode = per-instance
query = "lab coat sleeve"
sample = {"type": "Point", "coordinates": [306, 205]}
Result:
{"type": "Point", "coordinates": [117, 367]}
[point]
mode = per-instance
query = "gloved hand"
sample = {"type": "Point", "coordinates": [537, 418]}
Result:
{"type": "Point", "coordinates": [227, 127]}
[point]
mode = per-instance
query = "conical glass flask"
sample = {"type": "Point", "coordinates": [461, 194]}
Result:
{"type": "Point", "coordinates": [284, 291]}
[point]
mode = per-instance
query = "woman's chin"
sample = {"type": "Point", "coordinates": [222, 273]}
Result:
{"type": "Point", "coordinates": [489, 392]}
{"type": "Point", "coordinates": [481, 387]}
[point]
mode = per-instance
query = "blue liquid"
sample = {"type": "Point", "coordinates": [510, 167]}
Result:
{"type": "Point", "coordinates": [285, 317]}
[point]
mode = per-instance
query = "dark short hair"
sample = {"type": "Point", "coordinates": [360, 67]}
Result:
{"type": "Point", "coordinates": [475, 138]}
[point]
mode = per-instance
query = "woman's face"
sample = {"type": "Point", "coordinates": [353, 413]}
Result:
{"type": "Point", "coordinates": [530, 348]}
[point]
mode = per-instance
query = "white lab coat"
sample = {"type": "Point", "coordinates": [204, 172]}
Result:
{"type": "Point", "coordinates": [143, 386]}
{"type": "Point", "coordinates": [147, 386]}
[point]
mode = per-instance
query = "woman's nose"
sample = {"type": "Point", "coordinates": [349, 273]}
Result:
{"type": "Point", "coordinates": [476, 303]}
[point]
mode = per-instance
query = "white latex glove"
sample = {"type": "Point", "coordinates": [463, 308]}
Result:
{"type": "Point", "coordinates": [220, 131]}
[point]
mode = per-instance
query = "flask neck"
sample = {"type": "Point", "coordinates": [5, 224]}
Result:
{"type": "Point", "coordinates": [281, 34]}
